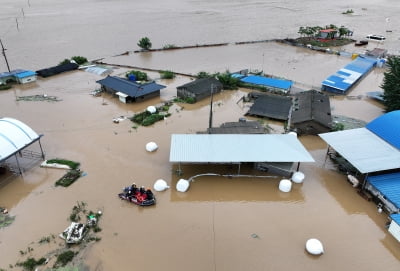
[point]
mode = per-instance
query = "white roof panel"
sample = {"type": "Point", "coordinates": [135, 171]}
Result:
{"type": "Point", "coordinates": [363, 149]}
{"type": "Point", "coordinates": [14, 135]}
{"type": "Point", "coordinates": [234, 148]}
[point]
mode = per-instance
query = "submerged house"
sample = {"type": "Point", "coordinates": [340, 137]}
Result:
{"type": "Point", "coordinates": [199, 88]}
{"type": "Point", "coordinates": [271, 106]}
{"type": "Point", "coordinates": [57, 69]}
{"type": "Point", "coordinates": [18, 76]}
{"type": "Point", "coordinates": [311, 113]}
{"type": "Point", "coordinates": [130, 91]}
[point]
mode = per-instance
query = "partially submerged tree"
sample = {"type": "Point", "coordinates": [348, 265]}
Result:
{"type": "Point", "coordinates": [139, 76]}
{"type": "Point", "coordinates": [144, 43]}
{"type": "Point", "coordinates": [391, 85]}
{"type": "Point", "coordinates": [227, 80]}
{"type": "Point", "coordinates": [79, 59]}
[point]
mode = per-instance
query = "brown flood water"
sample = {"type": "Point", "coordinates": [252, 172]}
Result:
{"type": "Point", "coordinates": [220, 223]}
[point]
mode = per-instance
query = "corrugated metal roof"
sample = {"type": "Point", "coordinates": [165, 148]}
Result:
{"type": "Point", "coordinates": [14, 136]}
{"type": "Point", "coordinates": [25, 74]}
{"type": "Point", "coordinates": [271, 106]}
{"type": "Point", "coordinates": [234, 148]}
{"type": "Point", "coordinates": [363, 149]}
{"type": "Point", "coordinates": [387, 127]}
{"type": "Point", "coordinates": [344, 79]}
{"type": "Point", "coordinates": [130, 88]}
{"type": "Point", "coordinates": [388, 185]}
{"type": "Point", "coordinates": [267, 82]}
{"type": "Point", "coordinates": [396, 218]}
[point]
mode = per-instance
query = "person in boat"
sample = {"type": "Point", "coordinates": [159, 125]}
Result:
{"type": "Point", "coordinates": [149, 193]}
{"type": "Point", "coordinates": [141, 195]}
{"type": "Point", "coordinates": [132, 191]}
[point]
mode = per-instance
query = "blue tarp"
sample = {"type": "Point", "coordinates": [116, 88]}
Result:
{"type": "Point", "coordinates": [345, 78]}
{"type": "Point", "coordinates": [387, 127]}
{"type": "Point", "coordinates": [267, 82]}
{"type": "Point", "coordinates": [388, 185]}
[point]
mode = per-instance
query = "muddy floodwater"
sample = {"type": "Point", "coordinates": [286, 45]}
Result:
{"type": "Point", "coordinates": [219, 223]}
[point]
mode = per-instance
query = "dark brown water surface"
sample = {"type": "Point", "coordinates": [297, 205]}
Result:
{"type": "Point", "coordinates": [220, 223]}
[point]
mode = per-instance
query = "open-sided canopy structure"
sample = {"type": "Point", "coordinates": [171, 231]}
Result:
{"type": "Point", "coordinates": [373, 148]}
{"type": "Point", "coordinates": [14, 137]}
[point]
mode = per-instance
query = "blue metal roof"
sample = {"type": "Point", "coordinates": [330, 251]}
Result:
{"type": "Point", "coordinates": [346, 77]}
{"type": "Point", "coordinates": [267, 82]}
{"type": "Point", "coordinates": [388, 185]}
{"type": "Point", "coordinates": [129, 88]}
{"type": "Point", "coordinates": [396, 218]}
{"type": "Point", "coordinates": [387, 127]}
{"type": "Point", "coordinates": [11, 73]}
{"type": "Point", "coordinates": [25, 74]}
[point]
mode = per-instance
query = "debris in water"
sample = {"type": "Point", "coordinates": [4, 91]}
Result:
{"type": "Point", "coordinates": [35, 98]}
{"type": "Point", "coordinates": [255, 235]}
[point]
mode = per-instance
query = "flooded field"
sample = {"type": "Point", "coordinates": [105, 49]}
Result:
{"type": "Point", "coordinates": [220, 223]}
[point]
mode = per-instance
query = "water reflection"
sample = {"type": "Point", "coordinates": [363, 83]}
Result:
{"type": "Point", "coordinates": [232, 189]}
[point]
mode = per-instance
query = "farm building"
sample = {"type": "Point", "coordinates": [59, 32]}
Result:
{"type": "Point", "coordinates": [237, 149]}
{"type": "Point", "coordinates": [347, 77]}
{"type": "Point", "coordinates": [130, 91]}
{"type": "Point", "coordinates": [199, 88]}
{"type": "Point", "coordinates": [271, 106]}
{"type": "Point", "coordinates": [273, 84]}
{"type": "Point", "coordinates": [311, 113]}
{"type": "Point", "coordinates": [57, 69]}
{"type": "Point", "coordinates": [375, 152]}
{"type": "Point", "coordinates": [18, 76]}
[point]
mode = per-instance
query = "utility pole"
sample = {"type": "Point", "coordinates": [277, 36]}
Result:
{"type": "Point", "coordinates": [211, 107]}
{"type": "Point", "coordinates": [4, 54]}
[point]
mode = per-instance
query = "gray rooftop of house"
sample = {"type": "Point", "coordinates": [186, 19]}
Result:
{"type": "Point", "coordinates": [236, 148]}
{"type": "Point", "coordinates": [271, 106]}
{"type": "Point", "coordinates": [240, 127]}
{"type": "Point", "coordinates": [312, 105]}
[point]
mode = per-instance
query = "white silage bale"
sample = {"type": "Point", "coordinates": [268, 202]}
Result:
{"type": "Point", "coordinates": [151, 146]}
{"type": "Point", "coordinates": [314, 246]}
{"type": "Point", "coordinates": [160, 185]}
{"type": "Point", "coordinates": [298, 177]}
{"type": "Point", "coordinates": [182, 185]}
{"type": "Point", "coordinates": [285, 185]}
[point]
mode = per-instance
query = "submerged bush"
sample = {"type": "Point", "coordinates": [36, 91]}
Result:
{"type": "Point", "coordinates": [31, 263]}
{"type": "Point", "coordinates": [139, 75]}
{"type": "Point", "coordinates": [167, 74]}
{"type": "Point", "coordinates": [64, 258]}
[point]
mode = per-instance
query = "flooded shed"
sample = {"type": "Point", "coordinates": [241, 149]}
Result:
{"type": "Point", "coordinates": [199, 88]}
